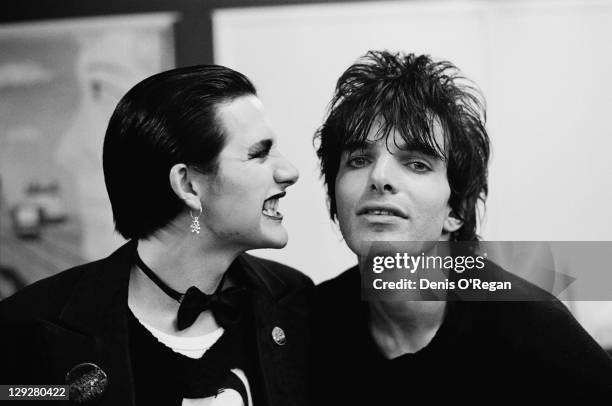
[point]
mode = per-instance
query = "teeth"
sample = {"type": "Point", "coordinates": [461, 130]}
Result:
{"type": "Point", "coordinates": [271, 204]}
{"type": "Point", "coordinates": [381, 212]}
{"type": "Point", "coordinates": [271, 213]}
{"type": "Point", "coordinates": [270, 208]}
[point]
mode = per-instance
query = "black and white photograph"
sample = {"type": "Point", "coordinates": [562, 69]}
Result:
{"type": "Point", "coordinates": [306, 202]}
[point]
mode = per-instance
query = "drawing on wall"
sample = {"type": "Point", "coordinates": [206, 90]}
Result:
{"type": "Point", "coordinates": [59, 83]}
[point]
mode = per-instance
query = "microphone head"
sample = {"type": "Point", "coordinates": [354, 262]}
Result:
{"type": "Point", "coordinates": [87, 383]}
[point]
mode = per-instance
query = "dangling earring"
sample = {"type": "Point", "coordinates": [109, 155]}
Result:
{"type": "Point", "coordinates": [195, 222]}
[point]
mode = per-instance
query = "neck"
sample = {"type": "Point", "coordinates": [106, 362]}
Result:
{"type": "Point", "coordinates": [186, 260]}
{"type": "Point", "coordinates": [180, 260]}
{"type": "Point", "coordinates": [401, 326]}
{"type": "Point", "coordinates": [404, 327]}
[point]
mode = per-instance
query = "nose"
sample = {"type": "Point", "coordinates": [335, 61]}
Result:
{"type": "Point", "coordinates": [285, 173]}
{"type": "Point", "coordinates": [383, 176]}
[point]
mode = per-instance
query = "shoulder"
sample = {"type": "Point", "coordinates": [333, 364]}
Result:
{"type": "Point", "coordinates": [521, 289]}
{"type": "Point", "coordinates": [338, 303]}
{"type": "Point", "coordinates": [347, 283]}
{"type": "Point", "coordinates": [527, 308]}
{"type": "Point", "coordinates": [560, 352]}
{"type": "Point", "coordinates": [541, 326]}
{"type": "Point", "coordinates": [533, 327]}
{"type": "Point", "coordinates": [275, 275]}
{"type": "Point", "coordinates": [46, 297]}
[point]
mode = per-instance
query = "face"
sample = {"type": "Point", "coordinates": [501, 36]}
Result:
{"type": "Point", "coordinates": [241, 200]}
{"type": "Point", "coordinates": [387, 193]}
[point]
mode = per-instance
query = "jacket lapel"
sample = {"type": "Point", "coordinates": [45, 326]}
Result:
{"type": "Point", "coordinates": [98, 309]}
{"type": "Point", "coordinates": [94, 329]}
{"type": "Point", "coordinates": [282, 365]}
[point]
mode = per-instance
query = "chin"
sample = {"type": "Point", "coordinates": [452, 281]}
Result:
{"type": "Point", "coordinates": [276, 240]}
{"type": "Point", "coordinates": [370, 236]}
{"type": "Point", "coordinates": [277, 244]}
{"type": "Point", "coordinates": [363, 243]}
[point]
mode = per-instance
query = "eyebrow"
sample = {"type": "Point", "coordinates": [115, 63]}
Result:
{"type": "Point", "coordinates": [425, 150]}
{"type": "Point", "coordinates": [261, 146]}
{"type": "Point", "coordinates": [418, 148]}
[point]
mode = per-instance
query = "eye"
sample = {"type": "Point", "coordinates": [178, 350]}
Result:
{"type": "Point", "coordinates": [260, 154]}
{"type": "Point", "coordinates": [261, 149]}
{"type": "Point", "coordinates": [418, 166]}
{"type": "Point", "coordinates": [357, 162]}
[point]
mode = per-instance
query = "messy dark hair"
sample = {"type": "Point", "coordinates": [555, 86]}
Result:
{"type": "Point", "coordinates": [411, 94]}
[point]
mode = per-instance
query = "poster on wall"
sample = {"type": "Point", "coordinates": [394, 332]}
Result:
{"type": "Point", "coordinates": [59, 83]}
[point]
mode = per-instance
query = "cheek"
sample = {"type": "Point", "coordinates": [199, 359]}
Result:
{"type": "Point", "coordinates": [433, 199]}
{"type": "Point", "coordinates": [235, 216]}
{"type": "Point", "coordinates": [245, 205]}
{"type": "Point", "coordinates": [236, 200]}
{"type": "Point", "coordinates": [348, 193]}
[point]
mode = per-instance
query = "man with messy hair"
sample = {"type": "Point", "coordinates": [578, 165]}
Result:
{"type": "Point", "coordinates": [404, 154]}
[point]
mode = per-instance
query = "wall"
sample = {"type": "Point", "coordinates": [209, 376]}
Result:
{"type": "Point", "coordinates": [193, 32]}
{"type": "Point", "coordinates": [543, 67]}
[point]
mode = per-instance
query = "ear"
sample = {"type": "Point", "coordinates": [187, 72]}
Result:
{"type": "Point", "coordinates": [183, 185]}
{"type": "Point", "coordinates": [451, 224]}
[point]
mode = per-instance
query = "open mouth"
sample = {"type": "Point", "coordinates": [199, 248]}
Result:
{"type": "Point", "coordinates": [270, 206]}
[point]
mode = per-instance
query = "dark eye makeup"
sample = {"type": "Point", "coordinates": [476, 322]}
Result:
{"type": "Point", "coordinates": [260, 149]}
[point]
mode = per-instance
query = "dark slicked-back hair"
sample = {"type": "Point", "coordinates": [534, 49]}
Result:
{"type": "Point", "coordinates": [411, 94]}
{"type": "Point", "coordinates": [166, 119]}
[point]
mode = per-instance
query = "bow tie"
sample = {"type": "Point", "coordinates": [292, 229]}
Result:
{"type": "Point", "coordinates": [225, 305]}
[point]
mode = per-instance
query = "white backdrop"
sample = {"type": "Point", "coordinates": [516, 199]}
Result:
{"type": "Point", "coordinates": [544, 68]}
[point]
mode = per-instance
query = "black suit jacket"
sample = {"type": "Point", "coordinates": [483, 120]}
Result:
{"type": "Point", "coordinates": [80, 315]}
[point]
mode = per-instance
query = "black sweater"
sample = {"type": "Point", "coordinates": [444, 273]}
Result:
{"type": "Point", "coordinates": [483, 353]}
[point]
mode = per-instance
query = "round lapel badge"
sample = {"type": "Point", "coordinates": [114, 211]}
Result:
{"type": "Point", "coordinates": [278, 335]}
{"type": "Point", "coordinates": [86, 383]}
